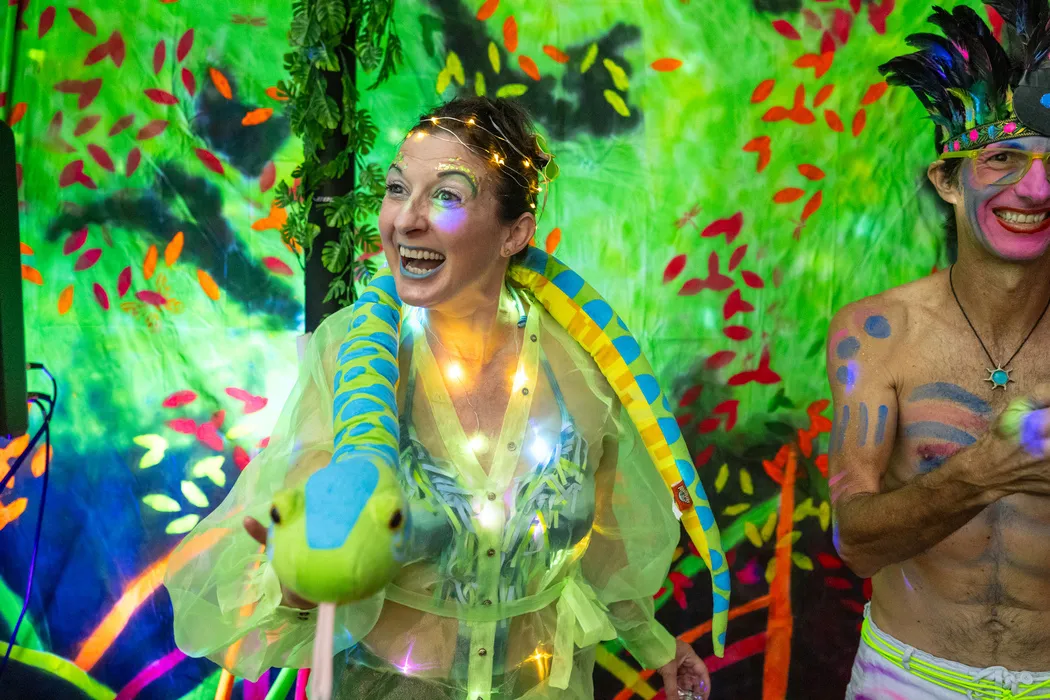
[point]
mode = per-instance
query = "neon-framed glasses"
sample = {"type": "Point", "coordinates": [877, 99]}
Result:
{"type": "Point", "coordinates": [1001, 166]}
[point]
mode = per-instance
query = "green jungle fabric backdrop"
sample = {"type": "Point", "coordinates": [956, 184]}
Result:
{"type": "Point", "coordinates": [733, 171]}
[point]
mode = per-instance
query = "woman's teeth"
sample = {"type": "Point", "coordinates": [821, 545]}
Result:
{"type": "Point", "coordinates": [1014, 217]}
{"type": "Point", "coordinates": [429, 260]}
{"type": "Point", "coordinates": [420, 254]}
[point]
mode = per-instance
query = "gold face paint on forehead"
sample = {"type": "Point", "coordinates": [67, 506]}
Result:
{"type": "Point", "coordinates": [458, 164]}
{"type": "Point", "coordinates": [399, 160]}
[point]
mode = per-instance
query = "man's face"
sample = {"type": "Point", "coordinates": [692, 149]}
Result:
{"type": "Point", "coordinates": [1010, 221]}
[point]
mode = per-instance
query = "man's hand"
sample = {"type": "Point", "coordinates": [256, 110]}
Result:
{"type": "Point", "coordinates": [1011, 463]}
{"type": "Point", "coordinates": [687, 672]}
{"type": "Point", "coordinates": [257, 531]}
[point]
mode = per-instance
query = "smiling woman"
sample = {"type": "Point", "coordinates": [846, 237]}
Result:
{"type": "Point", "coordinates": [537, 523]}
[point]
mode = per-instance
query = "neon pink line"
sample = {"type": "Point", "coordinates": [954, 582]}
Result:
{"type": "Point", "coordinates": [149, 674]}
{"type": "Point", "coordinates": [301, 681]}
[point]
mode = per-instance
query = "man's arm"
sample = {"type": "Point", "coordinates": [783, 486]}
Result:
{"type": "Point", "coordinates": [874, 529]}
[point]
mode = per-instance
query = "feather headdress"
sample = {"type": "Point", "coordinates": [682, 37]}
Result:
{"type": "Point", "coordinates": [977, 90]}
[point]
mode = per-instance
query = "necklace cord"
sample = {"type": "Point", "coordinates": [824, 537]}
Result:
{"type": "Point", "coordinates": [951, 283]}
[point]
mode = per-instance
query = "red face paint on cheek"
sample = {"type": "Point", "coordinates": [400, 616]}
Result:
{"type": "Point", "coordinates": [981, 204]}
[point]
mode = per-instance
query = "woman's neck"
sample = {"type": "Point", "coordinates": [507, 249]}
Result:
{"type": "Point", "coordinates": [475, 333]}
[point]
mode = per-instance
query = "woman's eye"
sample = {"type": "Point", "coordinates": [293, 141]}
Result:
{"type": "Point", "coordinates": [448, 197]}
{"type": "Point", "coordinates": [394, 188]}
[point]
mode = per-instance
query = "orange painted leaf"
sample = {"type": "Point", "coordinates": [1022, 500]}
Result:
{"type": "Point", "coordinates": [859, 121]}
{"type": "Point", "coordinates": [775, 114]}
{"type": "Point", "coordinates": [528, 66]}
{"type": "Point", "coordinates": [24, 248]}
{"type": "Point", "coordinates": [220, 82]}
{"type": "Point", "coordinates": [759, 145]}
{"type": "Point", "coordinates": [553, 239]}
{"type": "Point", "coordinates": [65, 300]}
{"type": "Point", "coordinates": [665, 65]}
{"type": "Point", "coordinates": [208, 284]}
{"type": "Point", "coordinates": [209, 160]}
{"type": "Point", "coordinates": [762, 91]}
{"type": "Point", "coordinates": [811, 172]}
{"type": "Point", "coordinates": [812, 205]}
{"type": "Point", "coordinates": [788, 195]}
{"type": "Point", "coordinates": [17, 112]}
{"type": "Point", "coordinates": [823, 95]}
{"type": "Point", "coordinates": [150, 263]}
{"type": "Point", "coordinates": [510, 34]}
{"type": "Point", "coordinates": [274, 94]}
{"type": "Point", "coordinates": [12, 511]}
{"type": "Point", "coordinates": [874, 93]}
{"type": "Point", "coordinates": [161, 97]}
{"type": "Point", "coordinates": [31, 274]}
{"type": "Point", "coordinates": [257, 116]}
{"type": "Point", "coordinates": [556, 54]}
{"type": "Point", "coordinates": [173, 249]}
{"type": "Point", "coordinates": [833, 121]}
{"type": "Point", "coordinates": [39, 462]}
{"type": "Point", "coordinates": [486, 10]}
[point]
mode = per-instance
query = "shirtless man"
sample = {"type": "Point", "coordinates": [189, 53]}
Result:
{"type": "Point", "coordinates": [950, 519]}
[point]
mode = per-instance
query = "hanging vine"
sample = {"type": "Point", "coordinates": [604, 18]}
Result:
{"type": "Point", "coordinates": [330, 40]}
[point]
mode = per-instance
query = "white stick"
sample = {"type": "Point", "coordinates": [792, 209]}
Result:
{"type": "Point", "coordinates": [321, 672]}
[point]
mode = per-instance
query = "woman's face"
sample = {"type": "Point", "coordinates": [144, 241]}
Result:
{"type": "Point", "coordinates": [440, 225]}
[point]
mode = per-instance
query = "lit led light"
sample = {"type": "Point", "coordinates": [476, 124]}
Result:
{"type": "Point", "coordinates": [478, 444]}
{"type": "Point", "coordinates": [489, 516]}
{"type": "Point", "coordinates": [454, 371]}
{"type": "Point", "coordinates": [540, 450]}
{"type": "Point", "coordinates": [470, 122]}
{"type": "Point", "coordinates": [433, 120]}
{"type": "Point", "coordinates": [415, 320]}
{"type": "Point", "coordinates": [520, 379]}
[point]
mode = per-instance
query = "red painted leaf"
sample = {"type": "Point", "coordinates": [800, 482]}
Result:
{"type": "Point", "coordinates": [240, 458]}
{"type": "Point", "coordinates": [762, 375]}
{"type": "Point", "coordinates": [841, 25]}
{"type": "Point", "coordinates": [101, 157]}
{"type": "Point", "coordinates": [124, 282]}
{"type": "Point", "coordinates": [154, 128]}
{"type": "Point", "coordinates": [866, 588]}
{"type": "Point", "coordinates": [71, 173]}
{"type": "Point", "coordinates": [720, 359]}
{"type": "Point", "coordinates": [874, 93]}
{"type": "Point", "coordinates": [811, 172]}
{"type": "Point", "coordinates": [822, 95]}
{"type": "Point", "coordinates": [486, 10]}
{"type": "Point", "coordinates": [752, 280]}
{"type": "Point", "coordinates": [18, 177]}
{"type": "Point", "coordinates": [100, 296]}
{"type": "Point", "coordinates": [83, 21]}
{"type": "Point", "coordinates": [160, 52]}
{"type": "Point", "coordinates": [729, 409]}
{"type": "Point", "coordinates": [189, 82]}
{"type": "Point", "coordinates": [853, 606]}
{"type": "Point", "coordinates": [704, 456]}
{"type": "Point", "coordinates": [708, 425]}
{"type": "Point", "coordinates": [529, 67]}
{"type": "Point", "coordinates": [208, 435]}
{"type": "Point", "coordinates": [691, 394]}
{"type": "Point", "coordinates": [251, 402]}
{"type": "Point", "coordinates": [86, 124]}
{"type": "Point", "coordinates": [269, 175]}
{"type": "Point", "coordinates": [812, 20]}
{"type": "Point", "coordinates": [47, 20]}
{"type": "Point", "coordinates": [185, 44]}
{"type": "Point", "coordinates": [833, 121]}
{"type": "Point", "coordinates": [218, 418]}
{"type": "Point", "coordinates": [763, 91]}
{"type": "Point", "coordinates": [263, 443]}
{"type": "Point", "coordinates": [995, 21]}
{"type": "Point", "coordinates": [859, 121]}
{"type": "Point", "coordinates": [838, 583]}
{"type": "Point", "coordinates": [730, 227]}
{"type": "Point", "coordinates": [674, 268]}
{"type": "Point", "coordinates": [786, 30]}
{"type": "Point", "coordinates": [151, 298]}
{"type": "Point", "coordinates": [277, 266]}
{"type": "Point", "coordinates": [209, 160]}
{"type": "Point", "coordinates": [877, 14]}
{"type": "Point", "coordinates": [788, 195]}
{"type": "Point", "coordinates": [812, 205]}
{"type": "Point", "coordinates": [735, 304]}
{"type": "Point", "coordinates": [134, 157]}
{"type": "Point", "coordinates": [775, 114]}
{"type": "Point", "coordinates": [117, 49]}
{"type": "Point", "coordinates": [684, 419]}
{"type": "Point", "coordinates": [180, 398]}
{"type": "Point", "coordinates": [87, 259]}
{"type": "Point", "coordinates": [86, 89]}
{"type": "Point", "coordinates": [855, 6]}
{"type": "Point", "coordinates": [121, 124]}
{"type": "Point", "coordinates": [75, 241]}
{"type": "Point", "coordinates": [161, 97]}
{"type": "Point", "coordinates": [738, 255]}
{"type": "Point", "coordinates": [828, 561]}
{"type": "Point", "coordinates": [186, 426]}
{"type": "Point", "coordinates": [760, 145]}
{"type": "Point", "coordinates": [737, 332]}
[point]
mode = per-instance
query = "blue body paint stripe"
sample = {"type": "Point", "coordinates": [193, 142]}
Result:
{"type": "Point", "coordinates": [880, 428]}
{"type": "Point", "coordinates": [950, 392]}
{"type": "Point", "coordinates": [862, 426]}
{"type": "Point", "coordinates": [940, 431]}
{"type": "Point", "coordinates": [843, 426]}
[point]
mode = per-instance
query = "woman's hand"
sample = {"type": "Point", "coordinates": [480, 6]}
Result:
{"type": "Point", "coordinates": [687, 672]}
{"type": "Point", "coordinates": [257, 531]}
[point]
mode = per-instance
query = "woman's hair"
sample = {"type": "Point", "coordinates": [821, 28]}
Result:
{"type": "Point", "coordinates": [505, 130]}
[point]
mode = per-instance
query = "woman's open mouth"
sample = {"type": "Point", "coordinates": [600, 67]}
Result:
{"type": "Point", "coordinates": [1023, 221]}
{"type": "Point", "coordinates": [419, 263]}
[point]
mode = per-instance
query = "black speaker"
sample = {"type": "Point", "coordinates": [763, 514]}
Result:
{"type": "Point", "coordinates": [14, 418]}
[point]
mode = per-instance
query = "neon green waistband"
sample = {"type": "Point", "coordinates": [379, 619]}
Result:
{"type": "Point", "coordinates": [982, 689]}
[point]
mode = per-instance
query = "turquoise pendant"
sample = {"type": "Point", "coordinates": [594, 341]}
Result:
{"type": "Point", "coordinates": [999, 377]}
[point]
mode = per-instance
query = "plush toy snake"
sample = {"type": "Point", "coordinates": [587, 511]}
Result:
{"type": "Point", "coordinates": [338, 537]}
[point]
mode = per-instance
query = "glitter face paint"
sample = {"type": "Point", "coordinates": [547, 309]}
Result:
{"type": "Point", "coordinates": [986, 205]}
{"type": "Point", "coordinates": [458, 166]}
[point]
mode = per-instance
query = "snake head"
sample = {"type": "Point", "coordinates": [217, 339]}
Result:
{"type": "Point", "coordinates": [340, 537]}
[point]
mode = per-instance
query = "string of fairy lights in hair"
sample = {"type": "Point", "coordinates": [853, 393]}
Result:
{"type": "Point", "coordinates": [538, 185]}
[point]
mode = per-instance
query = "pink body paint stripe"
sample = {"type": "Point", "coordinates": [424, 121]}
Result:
{"type": "Point", "coordinates": [149, 674]}
{"type": "Point", "coordinates": [301, 681]}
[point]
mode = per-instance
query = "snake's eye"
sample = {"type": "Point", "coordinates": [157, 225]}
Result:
{"type": "Point", "coordinates": [395, 520]}
{"type": "Point", "coordinates": [275, 516]}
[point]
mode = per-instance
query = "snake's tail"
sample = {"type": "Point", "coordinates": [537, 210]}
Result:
{"type": "Point", "coordinates": [321, 672]}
